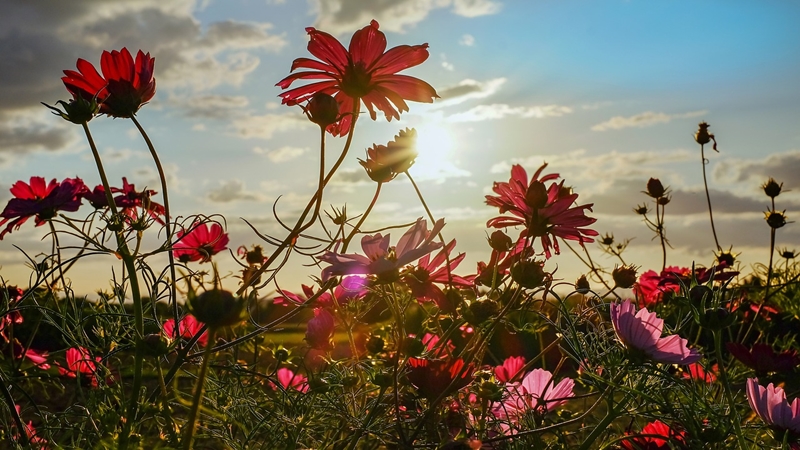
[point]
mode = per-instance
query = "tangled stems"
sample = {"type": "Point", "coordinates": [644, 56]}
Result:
{"type": "Point", "coordinates": [363, 218]}
{"type": "Point", "coordinates": [23, 436]}
{"type": "Point", "coordinates": [167, 225]}
{"type": "Point", "coordinates": [128, 259]}
{"type": "Point", "coordinates": [316, 199]}
{"type": "Point", "coordinates": [198, 392]}
{"type": "Point", "coordinates": [723, 375]}
{"type": "Point", "coordinates": [430, 216]}
{"type": "Point", "coordinates": [704, 161]}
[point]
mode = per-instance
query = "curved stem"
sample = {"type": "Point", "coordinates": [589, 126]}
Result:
{"type": "Point", "coordinates": [57, 251]}
{"type": "Point", "coordinates": [662, 235]}
{"type": "Point", "coordinates": [723, 375]}
{"type": "Point", "coordinates": [708, 196]}
{"type": "Point", "coordinates": [433, 220]}
{"type": "Point", "coordinates": [21, 427]}
{"type": "Point", "coordinates": [198, 392]}
{"type": "Point", "coordinates": [167, 226]}
{"type": "Point", "coordinates": [363, 218]}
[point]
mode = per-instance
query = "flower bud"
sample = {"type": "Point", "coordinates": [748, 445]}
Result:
{"type": "Point", "coordinates": [702, 136]}
{"type": "Point", "coordinates": [255, 256]}
{"type": "Point", "coordinates": [375, 344]}
{"type": "Point", "coordinates": [322, 109]}
{"type": "Point", "coordinates": [654, 188]}
{"type": "Point", "coordinates": [319, 331]}
{"type": "Point", "coordinates": [726, 259]}
{"type": "Point", "coordinates": [624, 276]}
{"type": "Point", "coordinates": [413, 346]}
{"type": "Point", "coordinates": [663, 200]}
{"type": "Point", "coordinates": [155, 345]}
{"type": "Point", "coordinates": [481, 310]}
{"type": "Point", "coordinates": [77, 111]}
{"type": "Point", "coordinates": [500, 241]}
{"type": "Point", "coordinates": [529, 274]}
{"type": "Point", "coordinates": [489, 390]}
{"type": "Point", "coordinates": [319, 385]}
{"type": "Point", "coordinates": [775, 219]}
{"type": "Point", "coordinates": [536, 195]}
{"type": "Point", "coordinates": [217, 308]}
{"type": "Point", "coordinates": [608, 239]}
{"type": "Point", "coordinates": [717, 319]}
{"type": "Point", "coordinates": [641, 210]}
{"type": "Point", "coordinates": [788, 254]}
{"type": "Point", "coordinates": [700, 293]}
{"type": "Point", "coordinates": [582, 285]}
{"type": "Point", "coordinates": [772, 188]}
{"type": "Point", "coordinates": [281, 354]}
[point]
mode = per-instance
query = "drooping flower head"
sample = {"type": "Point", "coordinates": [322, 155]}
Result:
{"type": "Point", "coordinates": [385, 162]}
{"type": "Point", "coordinates": [641, 331]}
{"type": "Point", "coordinates": [200, 243]}
{"type": "Point", "coordinates": [649, 440]}
{"type": "Point", "coordinates": [771, 405]}
{"type": "Point", "coordinates": [364, 72]}
{"type": "Point", "coordinates": [123, 88]}
{"type": "Point", "coordinates": [40, 200]}
{"type": "Point", "coordinates": [381, 260]}
{"type": "Point", "coordinates": [546, 212]}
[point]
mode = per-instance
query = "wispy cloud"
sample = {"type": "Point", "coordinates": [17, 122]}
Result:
{"type": "Point", "coordinates": [231, 191]}
{"type": "Point", "coordinates": [500, 110]}
{"type": "Point", "coordinates": [467, 40]}
{"type": "Point", "coordinates": [645, 119]}
{"type": "Point", "coordinates": [264, 126]}
{"type": "Point", "coordinates": [468, 89]}
{"type": "Point", "coordinates": [282, 154]}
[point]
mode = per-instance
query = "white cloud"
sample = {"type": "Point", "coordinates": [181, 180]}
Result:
{"type": "Point", "coordinates": [448, 66]}
{"type": "Point", "coordinates": [645, 119]}
{"type": "Point", "coordinates": [263, 127]}
{"type": "Point", "coordinates": [499, 111]}
{"type": "Point", "coordinates": [211, 106]}
{"type": "Point", "coordinates": [467, 40]}
{"type": "Point", "coordinates": [282, 154]}
{"type": "Point", "coordinates": [231, 191]}
{"type": "Point", "coordinates": [468, 89]}
{"type": "Point", "coordinates": [475, 8]}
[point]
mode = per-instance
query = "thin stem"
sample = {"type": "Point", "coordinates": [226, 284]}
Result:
{"type": "Point", "coordinates": [769, 281]}
{"type": "Point", "coordinates": [22, 431]}
{"type": "Point", "coordinates": [433, 220]}
{"type": "Point", "coordinates": [198, 392]}
{"type": "Point", "coordinates": [57, 251]}
{"type": "Point", "coordinates": [363, 218]}
{"type": "Point", "coordinates": [708, 196]}
{"type": "Point", "coordinates": [723, 375]}
{"type": "Point", "coordinates": [661, 234]}
{"type": "Point", "coordinates": [167, 226]}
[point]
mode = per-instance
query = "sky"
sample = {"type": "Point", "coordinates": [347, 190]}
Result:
{"type": "Point", "coordinates": [608, 93]}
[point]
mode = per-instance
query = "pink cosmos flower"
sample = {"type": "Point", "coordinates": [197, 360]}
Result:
{"type": "Point", "coordinates": [510, 369]}
{"type": "Point", "coordinates": [648, 439]}
{"type": "Point", "coordinates": [421, 278]}
{"type": "Point", "coordinates": [364, 72]}
{"type": "Point", "coordinates": [40, 200]}
{"type": "Point", "coordinates": [9, 295]}
{"type": "Point", "coordinates": [37, 357]}
{"type": "Point", "coordinates": [80, 362]}
{"type": "Point", "coordinates": [537, 392]}
{"type": "Point", "coordinates": [290, 380]}
{"type": "Point", "coordinates": [641, 330]}
{"type": "Point", "coordinates": [771, 405]}
{"type": "Point", "coordinates": [382, 260]}
{"type": "Point", "coordinates": [189, 326]}
{"type": "Point", "coordinates": [546, 213]}
{"type": "Point", "coordinates": [319, 330]}
{"type": "Point", "coordinates": [350, 289]}
{"type": "Point", "coordinates": [200, 243]}
{"type": "Point", "coordinates": [34, 439]}
{"type": "Point", "coordinates": [385, 162]}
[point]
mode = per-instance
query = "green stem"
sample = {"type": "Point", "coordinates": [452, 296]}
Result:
{"type": "Point", "coordinates": [611, 415]}
{"type": "Point", "coordinates": [363, 218]}
{"type": "Point", "coordinates": [198, 392]}
{"type": "Point", "coordinates": [723, 376]}
{"type": "Point", "coordinates": [23, 435]}
{"type": "Point", "coordinates": [708, 196]}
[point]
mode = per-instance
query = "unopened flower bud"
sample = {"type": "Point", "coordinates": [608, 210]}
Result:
{"type": "Point", "coordinates": [702, 136]}
{"type": "Point", "coordinates": [281, 354]}
{"type": "Point", "coordinates": [641, 210]}
{"type": "Point", "coordinates": [383, 379]}
{"type": "Point", "coordinates": [608, 239]}
{"type": "Point", "coordinates": [529, 274]}
{"type": "Point", "coordinates": [319, 385]}
{"type": "Point", "coordinates": [582, 285]}
{"type": "Point", "coordinates": [155, 345]}
{"type": "Point", "coordinates": [482, 310]}
{"type": "Point", "coordinates": [413, 346]}
{"type": "Point", "coordinates": [775, 219]}
{"type": "Point", "coordinates": [375, 344]}
{"type": "Point", "coordinates": [77, 111]}
{"type": "Point", "coordinates": [772, 188]}
{"type": "Point", "coordinates": [255, 256]}
{"type": "Point", "coordinates": [536, 195]}
{"type": "Point", "coordinates": [322, 109]}
{"type": "Point", "coordinates": [319, 331]}
{"type": "Point", "coordinates": [788, 254]}
{"type": "Point", "coordinates": [500, 241]}
{"type": "Point", "coordinates": [726, 259]}
{"type": "Point", "coordinates": [700, 293]}
{"type": "Point", "coordinates": [654, 188]}
{"type": "Point", "coordinates": [717, 319]}
{"type": "Point", "coordinates": [663, 200]}
{"type": "Point", "coordinates": [217, 308]}
{"type": "Point", "coordinates": [624, 276]}
{"type": "Point", "coordinates": [490, 391]}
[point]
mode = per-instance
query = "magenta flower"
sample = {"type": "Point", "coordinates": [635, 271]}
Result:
{"type": "Point", "coordinates": [763, 359]}
{"type": "Point", "coordinates": [537, 392]}
{"type": "Point", "coordinates": [40, 200]}
{"type": "Point", "coordinates": [130, 199]}
{"type": "Point", "coordinates": [546, 213]}
{"type": "Point", "coordinates": [421, 278]}
{"type": "Point", "coordinates": [641, 331]}
{"type": "Point", "coordinates": [382, 260]}
{"type": "Point", "coordinates": [200, 243]}
{"type": "Point", "coordinates": [80, 362]}
{"type": "Point", "coordinates": [771, 405]}
{"type": "Point", "coordinates": [364, 72]}
{"type": "Point", "coordinates": [436, 377]}
{"type": "Point", "coordinates": [319, 330]}
{"type": "Point", "coordinates": [38, 358]}
{"type": "Point", "coordinates": [350, 289]}
{"type": "Point", "coordinates": [189, 326]}
{"type": "Point", "coordinates": [510, 368]}
{"type": "Point", "coordinates": [290, 380]}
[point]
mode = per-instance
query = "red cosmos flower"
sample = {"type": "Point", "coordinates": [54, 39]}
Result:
{"type": "Point", "coordinates": [763, 359]}
{"type": "Point", "coordinates": [38, 358]}
{"type": "Point", "coordinates": [79, 361]}
{"type": "Point", "coordinates": [123, 88]}
{"type": "Point", "coordinates": [9, 295]}
{"type": "Point", "coordinates": [200, 243]}
{"type": "Point", "coordinates": [697, 372]}
{"type": "Point", "coordinates": [350, 289]}
{"type": "Point", "coordinates": [189, 326]}
{"type": "Point", "coordinates": [33, 438]}
{"type": "Point", "coordinates": [435, 377]}
{"type": "Point", "coordinates": [647, 440]}
{"type": "Point", "coordinates": [421, 278]}
{"type": "Point", "coordinates": [130, 199]}
{"type": "Point", "coordinates": [382, 260]}
{"type": "Point", "coordinates": [510, 369]}
{"type": "Point", "coordinates": [288, 379]}
{"type": "Point", "coordinates": [41, 200]}
{"type": "Point", "coordinates": [364, 72]}
{"type": "Point", "coordinates": [652, 287]}
{"type": "Point", "coordinates": [502, 260]}
{"type": "Point", "coordinates": [544, 211]}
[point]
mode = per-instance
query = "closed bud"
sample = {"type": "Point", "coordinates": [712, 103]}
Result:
{"type": "Point", "coordinates": [663, 200]}
{"type": "Point", "coordinates": [772, 188]}
{"type": "Point", "coordinates": [155, 345]}
{"type": "Point", "coordinates": [700, 294]}
{"type": "Point", "coordinates": [654, 188]}
{"type": "Point", "coordinates": [726, 259]}
{"type": "Point", "coordinates": [255, 256]}
{"type": "Point", "coordinates": [77, 111]}
{"type": "Point", "coordinates": [717, 319]}
{"type": "Point", "coordinates": [641, 210]}
{"type": "Point", "coordinates": [582, 285]}
{"type": "Point", "coordinates": [375, 344]}
{"type": "Point", "coordinates": [529, 274]}
{"type": "Point", "coordinates": [383, 379]}
{"type": "Point", "coordinates": [608, 239]}
{"type": "Point", "coordinates": [788, 254]}
{"type": "Point", "coordinates": [536, 195]}
{"type": "Point", "coordinates": [322, 109]}
{"type": "Point", "coordinates": [702, 136]}
{"type": "Point", "coordinates": [217, 308]}
{"type": "Point", "coordinates": [489, 390]}
{"type": "Point", "coordinates": [281, 354]}
{"type": "Point", "coordinates": [319, 385]}
{"type": "Point", "coordinates": [624, 276]}
{"type": "Point", "coordinates": [500, 241]}
{"type": "Point", "coordinates": [481, 310]}
{"type": "Point", "coordinates": [775, 219]}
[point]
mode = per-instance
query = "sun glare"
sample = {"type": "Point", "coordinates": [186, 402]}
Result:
{"type": "Point", "coordinates": [435, 147]}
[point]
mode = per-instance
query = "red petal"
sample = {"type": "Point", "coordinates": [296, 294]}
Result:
{"type": "Point", "coordinates": [286, 82]}
{"type": "Point", "coordinates": [400, 58]}
{"type": "Point", "coordinates": [367, 45]}
{"type": "Point", "coordinates": [308, 63]}
{"type": "Point", "coordinates": [409, 88]}
{"type": "Point", "coordinates": [328, 49]}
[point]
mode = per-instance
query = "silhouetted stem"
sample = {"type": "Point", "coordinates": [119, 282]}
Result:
{"type": "Point", "coordinates": [661, 235]}
{"type": "Point", "coordinates": [22, 431]}
{"type": "Point", "coordinates": [723, 375]}
{"type": "Point", "coordinates": [708, 196]}
{"type": "Point", "coordinates": [198, 392]}
{"type": "Point", "coordinates": [433, 221]}
{"type": "Point", "coordinates": [363, 218]}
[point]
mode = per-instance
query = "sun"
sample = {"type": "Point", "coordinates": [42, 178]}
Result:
{"type": "Point", "coordinates": [435, 147]}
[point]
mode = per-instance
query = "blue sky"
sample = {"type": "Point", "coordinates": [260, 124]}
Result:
{"type": "Point", "coordinates": [607, 92]}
